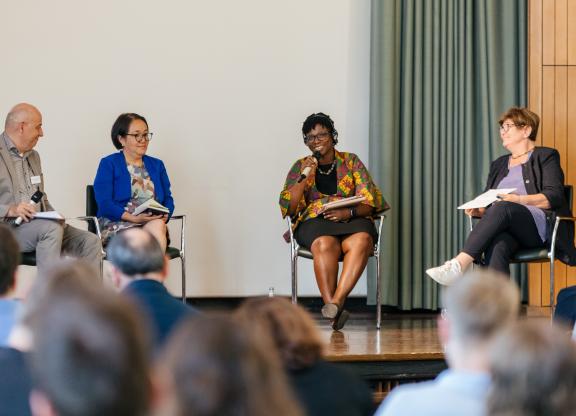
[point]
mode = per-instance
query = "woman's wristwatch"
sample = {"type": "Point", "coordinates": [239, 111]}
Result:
{"type": "Point", "coordinates": [352, 212]}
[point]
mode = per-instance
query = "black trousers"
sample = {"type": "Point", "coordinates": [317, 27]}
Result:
{"type": "Point", "coordinates": [505, 228]}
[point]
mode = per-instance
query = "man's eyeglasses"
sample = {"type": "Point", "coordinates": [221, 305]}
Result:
{"type": "Point", "coordinates": [316, 137]}
{"type": "Point", "coordinates": [141, 137]}
{"type": "Point", "coordinates": [508, 126]}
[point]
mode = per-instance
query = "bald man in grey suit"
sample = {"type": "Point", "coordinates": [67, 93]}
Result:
{"type": "Point", "coordinates": [20, 176]}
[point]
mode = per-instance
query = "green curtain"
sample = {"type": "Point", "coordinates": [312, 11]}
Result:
{"type": "Point", "coordinates": [442, 71]}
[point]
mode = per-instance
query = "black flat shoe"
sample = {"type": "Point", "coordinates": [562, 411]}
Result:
{"type": "Point", "coordinates": [330, 311]}
{"type": "Point", "coordinates": [340, 320]}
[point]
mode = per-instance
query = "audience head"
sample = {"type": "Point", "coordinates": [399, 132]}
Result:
{"type": "Point", "coordinates": [9, 260]}
{"type": "Point", "coordinates": [533, 369]}
{"type": "Point", "coordinates": [216, 366]}
{"type": "Point", "coordinates": [89, 356]}
{"type": "Point", "coordinates": [522, 117]}
{"type": "Point", "coordinates": [321, 119]}
{"type": "Point", "coordinates": [24, 126]}
{"type": "Point", "coordinates": [477, 307]}
{"type": "Point", "coordinates": [121, 127]}
{"type": "Point", "coordinates": [292, 329]}
{"type": "Point", "coordinates": [136, 252]}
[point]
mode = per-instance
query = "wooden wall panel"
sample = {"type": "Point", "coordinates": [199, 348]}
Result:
{"type": "Point", "coordinates": [561, 32]}
{"type": "Point", "coordinates": [570, 172]}
{"type": "Point", "coordinates": [552, 93]}
{"type": "Point", "coordinates": [548, 29]}
{"type": "Point", "coordinates": [571, 35]}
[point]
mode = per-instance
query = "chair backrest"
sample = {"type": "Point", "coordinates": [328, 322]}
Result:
{"type": "Point", "coordinates": [568, 195]}
{"type": "Point", "coordinates": [91, 206]}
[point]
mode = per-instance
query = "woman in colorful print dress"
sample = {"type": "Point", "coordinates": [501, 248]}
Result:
{"type": "Point", "coordinates": [346, 233]}
{"type": "Point", "coordinates": [128, 178]}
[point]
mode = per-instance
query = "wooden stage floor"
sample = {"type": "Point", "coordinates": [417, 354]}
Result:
{"type": "Point", "coordinates": [405, 349]}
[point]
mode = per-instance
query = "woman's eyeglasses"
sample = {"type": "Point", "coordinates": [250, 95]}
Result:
{"type": "Point", "coordinates": [141, 137]}
{"type": "Point", "coordinates": [316, 137]}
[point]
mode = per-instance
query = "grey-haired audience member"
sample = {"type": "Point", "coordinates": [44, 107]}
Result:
{"type": "Point", "coordinates": [477, 308]}
{"type": "Point", "coordinates": [139, 271]}
{"type": "Point", "coordinates": [89, 356]}
{"type": "Point", "coordinates": [533, 368]}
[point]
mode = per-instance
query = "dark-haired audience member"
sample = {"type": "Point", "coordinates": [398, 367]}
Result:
{"type": "Point", "coordinates": [478, 307]}
{"type": "Point", "coordinates": [130, 177]}
{"type": "Point", "coordinates": [341, 233]}
{"type": "Point", "coordinates": [214, 366]}
{"type": "Point", "coordinates": [139, 268]}
{"type": "Point", "coordinates": [9, 261]}
{"type": "Point", "coordinates": [90, 355]}
{"type": "Point", "coordinates": [20, 177]}
{"type": "Point", "coordinates": [322, 388]}
{"type": "Point", "coordinates": [533, 368]}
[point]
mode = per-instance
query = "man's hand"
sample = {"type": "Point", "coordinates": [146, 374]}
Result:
{"type": "Point", "coordinates": [23, 209]}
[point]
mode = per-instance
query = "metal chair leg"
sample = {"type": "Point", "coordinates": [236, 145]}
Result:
{"type": "Point", "coordinates": [294, 270]}
{"type": "Point", "coordinates": [183, 265]}
{"type": "Point", "coordinates": [551, 287]}
{"type": "Point", "coordinates": [378, 299]}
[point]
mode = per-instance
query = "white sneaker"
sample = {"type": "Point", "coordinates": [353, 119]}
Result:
{"type": "Point", "coordinates": [446, 274]}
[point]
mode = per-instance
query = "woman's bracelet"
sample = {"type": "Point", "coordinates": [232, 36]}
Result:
{"type": "Point", "coordinates": [352, 212]}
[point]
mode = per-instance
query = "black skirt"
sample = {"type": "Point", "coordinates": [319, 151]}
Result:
{"type": "Point", "coordinates": [309, 230]}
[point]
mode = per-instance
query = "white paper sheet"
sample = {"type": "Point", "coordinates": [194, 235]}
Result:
{"type": "Point", "coordinates": [487, 198]}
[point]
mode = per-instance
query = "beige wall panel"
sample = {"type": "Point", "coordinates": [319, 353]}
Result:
{"type": "Point", "coordinates": [535, 56]}
{"type": "Point", "coordinates": [571, 149]}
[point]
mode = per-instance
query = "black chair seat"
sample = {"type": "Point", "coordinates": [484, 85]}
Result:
{"type": "Point", "coordinates": [532, 255]}
{"type": "Point", "coordinates": [172, 252]}
{"type": "Point", "coordinates": [28, 258]}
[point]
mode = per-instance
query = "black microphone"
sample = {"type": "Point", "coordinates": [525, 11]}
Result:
{"type": "Point", "coordinates": [317, 155]}
{"type": "Point", "coordinates": [35, 199]}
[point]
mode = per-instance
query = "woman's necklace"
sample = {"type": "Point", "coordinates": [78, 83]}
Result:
{"type": "Point", "coordinates": [521, 154]}
{"type": "Point", "coordinates": [329, 171]}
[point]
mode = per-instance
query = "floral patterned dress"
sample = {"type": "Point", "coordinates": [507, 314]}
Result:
{"type": "Point", "coordinates": [142, 190]}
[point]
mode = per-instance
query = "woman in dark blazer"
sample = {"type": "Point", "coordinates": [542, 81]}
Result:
{"type": "Point", "coordinates": [128, 178]}
{"type": "Point", "coordinates": [524, 218]}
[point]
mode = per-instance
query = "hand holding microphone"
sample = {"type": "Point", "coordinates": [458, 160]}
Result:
{"type": "Point", "coordinates": [26, 211]}
{"type": "Point", "coordinates": [309, 164]}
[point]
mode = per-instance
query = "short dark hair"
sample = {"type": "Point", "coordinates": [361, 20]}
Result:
{"type": "Point", "coordinates": [135, 251]}
{"type": "Point", "coordinates": [122, 125]}
{"type": "Point", "coordinates": [9, 258]}
{"type": "Point", "coordinates": [324, 120]}
{"type": "Point", "coordinates": [522, 117]}
{"type": "Point", "coordinates": [90, 355]}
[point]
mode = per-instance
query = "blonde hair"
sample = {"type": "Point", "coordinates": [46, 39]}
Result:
{"type": "Point", "coordinates": [480, 304]}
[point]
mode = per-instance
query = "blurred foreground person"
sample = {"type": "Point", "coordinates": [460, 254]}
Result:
{"type": "Point", "coordinates": [478, 307]}
{"type": "Point", "coordinates": [214, 367]}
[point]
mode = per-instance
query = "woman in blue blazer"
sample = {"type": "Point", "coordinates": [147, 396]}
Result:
{"type": "Point", "coordinates": [128, 178]}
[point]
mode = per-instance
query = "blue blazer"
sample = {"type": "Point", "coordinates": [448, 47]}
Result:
{"type": "Point", "coordinates": [113, 189]}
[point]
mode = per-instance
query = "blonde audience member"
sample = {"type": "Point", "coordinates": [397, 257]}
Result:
{"type": "Point", "coordinates": [478, 307]}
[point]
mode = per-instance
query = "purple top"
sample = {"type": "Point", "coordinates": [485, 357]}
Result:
{"type": "Point", "coordinates": [514, 179]}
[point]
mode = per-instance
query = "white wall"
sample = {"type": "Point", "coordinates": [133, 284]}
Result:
{"type": "Point", "coordinates": [225, 87]}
